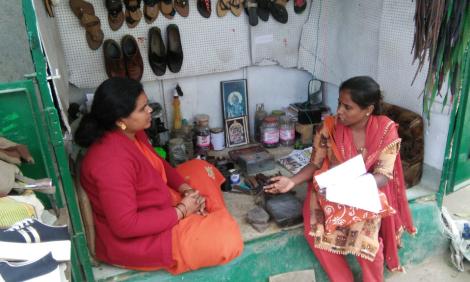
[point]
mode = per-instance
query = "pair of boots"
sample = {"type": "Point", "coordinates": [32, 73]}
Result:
{"type": "Point", "coordinates": [124, 60]}
{"type": "Point", "coordinates": [159, 56]}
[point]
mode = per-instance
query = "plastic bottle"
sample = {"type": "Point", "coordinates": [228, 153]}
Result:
{"type": "Point", "coordinates": [203, 134]}
{"type": "Point", "coordinates": [176, 112]}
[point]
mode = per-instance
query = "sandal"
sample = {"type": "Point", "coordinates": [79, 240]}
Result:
{"type": "Point", "coordinates": [279, 12]}
{"type": "Point", "coordinates": [175, 50]}
{"type": "Point", "coordinates": [204, 8]}
{"type": "Point", "coordinates": [156, 52]}
{"type": "Point", "coordinates": [94, 34]}
{"type": "Point", "coordinates": [250, 7]}
{"type": "Point", "coordinates": [223, 6]}
{"type": "Point", "coordinates": [236, 7]}
{"type": "Point", "coordinates": [151, 9]}
{"type": "Point", "coordinates": [299, 6]}
{"type": "Point", "coordinates": [166, 7]}
{"type": "Point", "coordinates": [115, 14]}
{"type": "Point", "coordinates": [133, 12]}
{"type": "Point", "coordinates": [182, 7]}
{"type": "Point", "coordinates": [263, 9]}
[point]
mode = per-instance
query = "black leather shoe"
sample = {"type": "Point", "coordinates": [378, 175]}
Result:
{"type": "Point", "coordinates": [157, 51]}
{"type": "Point", "coordinates": [113, 59]}
{"type": "Point", "coordinates": [175, 50]}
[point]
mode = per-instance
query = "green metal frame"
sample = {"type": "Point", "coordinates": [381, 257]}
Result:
{"type": "Point", "coordinates": [460, 108]}
{"type": "Point", "coordinates": [81, 266]}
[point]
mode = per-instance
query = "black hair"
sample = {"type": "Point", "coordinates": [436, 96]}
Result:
{"type": "Point", "coordinates": [364, 92]}
{"type": "Point", "coordinates": [115, 98]}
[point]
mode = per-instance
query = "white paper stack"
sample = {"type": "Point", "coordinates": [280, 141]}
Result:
{"type": "Point", "coordinates": [350, 184]}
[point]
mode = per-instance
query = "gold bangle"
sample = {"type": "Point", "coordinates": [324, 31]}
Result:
{"type": "Point", "coordinates": [182, 213]}
{"type": "Point", "coordinates": [185, 209]}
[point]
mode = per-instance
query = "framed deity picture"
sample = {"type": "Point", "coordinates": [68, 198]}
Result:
{"type": "Point", "coordinates": [234, 98]}
{"type": "Point", "coordinates": [236, 131]}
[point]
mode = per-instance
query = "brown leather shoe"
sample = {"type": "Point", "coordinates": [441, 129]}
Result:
{"type": "Point", "coordinates": [132, 57]}
{"type": "Point", "coordinates": [113, 59]}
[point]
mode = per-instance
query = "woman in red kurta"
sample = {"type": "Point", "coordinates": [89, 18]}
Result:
{"type": "Point", "coordinates": [332, 230]}
{"type": "Point", "coordinates": [147, 214]}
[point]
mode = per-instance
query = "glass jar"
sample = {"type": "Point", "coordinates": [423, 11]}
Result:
{"type": "Point", "coordinates": [270, 132]}
{"type": "Point", "coordinates": [286, 131]}
{"type": "Point", "coordinates": [177, 151]}
{"type": "Point", "coordinates": [203, 134]}
{"type": "Point", "coordinates": [260, 114]}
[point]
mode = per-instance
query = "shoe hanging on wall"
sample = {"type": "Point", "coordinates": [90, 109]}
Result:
{"type": "Point", "coordinates": [175, 50]}
{"type": "Point", "coordinates": [132, 57]}
{"type": "Point", "coordinates": [86, 14]}
{"type": "Point", "coordinates": [223, 7]}
{"type": "Point", "coordinates": [156, 52]}
{"type": "Point", "coordinates": [30, 239]}
{"type": "Point", "coordinates": [182, 7]}
{"type": "Point", "coordinates": [113, 59]}
{"type": "Point", "coordinates": [133, 12]}
{"type": "Point", "coordinates": [151, 10]}
{"type": "Point", "coordinates": [115, 14]}
{"type": "Point", "coordinates": [166, 6]}
{"type": "Point", "coordinates": [204, 8]}
{"type": "Point", "coordinates": [45, 268]}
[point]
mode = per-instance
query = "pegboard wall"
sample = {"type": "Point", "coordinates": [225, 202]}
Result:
{"type": "Point", "coordinates": [215, 44]}
{"type": "Point", "coordinates": [341, 39]}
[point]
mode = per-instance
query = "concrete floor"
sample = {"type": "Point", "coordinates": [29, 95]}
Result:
{"type": "Point", "coordinates": [440, 268]}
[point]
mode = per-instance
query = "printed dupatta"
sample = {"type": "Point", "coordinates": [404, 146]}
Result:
{"type": "Point", "coordinates": [333, 144]}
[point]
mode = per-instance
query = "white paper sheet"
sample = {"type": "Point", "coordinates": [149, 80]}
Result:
{"type": "Point", "coordinates": [350, 184]}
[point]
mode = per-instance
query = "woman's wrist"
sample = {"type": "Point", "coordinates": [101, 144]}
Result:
{"type": "Point", "coordinates": [185, 188]}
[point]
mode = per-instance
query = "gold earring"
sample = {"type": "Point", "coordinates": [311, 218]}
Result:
{"type": "Point", "coordinates": [123, 126]}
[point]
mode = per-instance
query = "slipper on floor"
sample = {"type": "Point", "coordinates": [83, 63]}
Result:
{"type": "Point", "coordinates": [204, 8]}
{"type": "Point", "coordinates": [223, 7]}
{"type": "Point", "coordinates": [151, 10]}
{"type": "Point", "coordinates": [251, 8]}
{"type": "Point", "coordinates": [299, 6]}
{"type": "Point", "coordinates": [175, 50]}
{"type": "Point", "coordinates": [263, 9]}
{"type": "Point", "coordinates": [236, 7]}
{"type": "Point", "coordinates": [182, 7]}
{"type": "Point", "coordinates": [115, 14]}
{"type": "Point", "coordinates": [279, 12]}
{"type": "Point", "coordinates": [133, 12]}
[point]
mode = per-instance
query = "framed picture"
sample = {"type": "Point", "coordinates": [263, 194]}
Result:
{"type": "Point", "coordinates": [236, 131]}
{"type": "Point", "coordinates": [234, 98]}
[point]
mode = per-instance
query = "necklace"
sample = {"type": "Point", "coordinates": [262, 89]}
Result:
{"type": "Point", "coordinates": [361, 150]}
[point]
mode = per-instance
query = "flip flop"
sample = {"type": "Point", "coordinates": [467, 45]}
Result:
{"type": "Point", "coordinates": [279, 12]}
{"type": "Point", "coordinates": [223, 6]}
{"type": "Point", "coordinates": [115, 14]}
{"type": "Point", "coordinates": [151, 9]}
{"type": "Point", "coordinates": [175, 50]}
{"type": "Point", "coordinates": [251, 6]}
{"type": "Point", "coordinates": [166, 7]}
{"type": "Point", "coordinates": [182, 7]}
{"type": "Point", "coordinates": [263, 9]}
{"type": "Point", "coordinates": [80, 7]}
{"type": "Point", "coordinates": [94, 34]}
{"type": "Point", "coordinates": [204, 8]}
{"type": "Point", "coordinates": [157, 52]}
{"type": "Point", "coordinates": [236, 7]}
{"type": "Point", "coordinates": [133, 12]}
{"type": "Point", "coordinates": [299, 6]}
